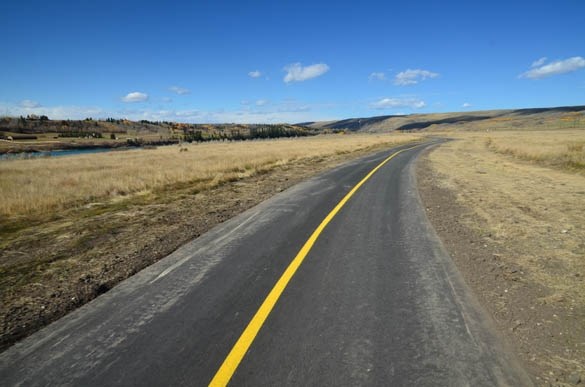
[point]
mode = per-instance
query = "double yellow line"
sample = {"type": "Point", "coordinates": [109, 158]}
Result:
{"type": "Point", "coordinates": [233, 359]}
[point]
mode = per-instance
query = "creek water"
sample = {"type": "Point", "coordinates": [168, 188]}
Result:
{"type": "Point", "coordinates": [57, 153]}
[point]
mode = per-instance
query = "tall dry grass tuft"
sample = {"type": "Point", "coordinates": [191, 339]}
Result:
{"type": "Point", "coordinates": [38, 186]}
{"type": "Point", "coordinates": [560, 149]}
{"type": "Point", "coordinates": [575, 147]}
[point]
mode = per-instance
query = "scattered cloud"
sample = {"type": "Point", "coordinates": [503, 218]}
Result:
{"type": "Point", "coordinates": [179, 90]}
{"type": "Point", "coordinates": [466, 105]}
{"type": "Point", "coordinates": [244, 116]}
{"type": "Point", "coordinates": [412, 77]}
{"type": "Point", "coordinates": [53, 112]}
{"type": "Point", "coordinates": [255, 74]}
{"type": "Point", "coordinates": [540, 70]}
{"type": "Point", "coordinates": [262, 106]}
{"type": "Point", "coordinates": [187, 113]}
{"type": "Point", "coordinates": [296, 109]}
{"type": "Point", "coordinates": [295, 72]}
{"type": "Point", "coordinates": [255, 111]}
{"type": "Point", "coordinates": [292, 106]}
{"type": "Point", "coordinates": [391, 103]}
{"type": "Point", "coordinates": [167, 99]}
{"type": "Point", "coordinates": [135, 96]}
{"type": "Point", "coordinates": [539, 62]}
{"type": "Point", "coordinates": [29, 104]}
{"type": "Point", "coordinates": [377, 76]}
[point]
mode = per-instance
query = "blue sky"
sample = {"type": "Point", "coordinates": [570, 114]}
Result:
{"type": "Point", "coordinates": [287, 61]}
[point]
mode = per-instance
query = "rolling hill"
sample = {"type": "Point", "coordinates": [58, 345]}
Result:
{"type": "Point", "coordinates": [536, 118]}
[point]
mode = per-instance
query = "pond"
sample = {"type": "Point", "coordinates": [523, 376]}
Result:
{"type": "Point", "coordinates": [57, 153]}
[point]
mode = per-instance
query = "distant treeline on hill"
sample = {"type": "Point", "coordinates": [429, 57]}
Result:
{"type": "Point", "coordinates": [200, 133]}
{"type": "Point", "coordinates": [33, 124]}
{"type": "Point", "coordinates": [165, 130]}
{"type": "Point", "coordinates": [73, 134]}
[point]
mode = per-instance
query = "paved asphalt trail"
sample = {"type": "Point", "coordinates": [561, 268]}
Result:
{"type": "Point", "coordinates": [377, 301]}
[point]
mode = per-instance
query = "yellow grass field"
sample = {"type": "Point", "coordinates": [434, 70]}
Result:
{"type": "Point", "coordinates": [73, 227]}
{"type": "Point", "coordinates": [564, 149]}
{"type": "Point", "coordinates": [524, 194]}
{"type": "Point", "coordinates": [29, 187]}
{"type": "Point", "coordinates": [528, 188]}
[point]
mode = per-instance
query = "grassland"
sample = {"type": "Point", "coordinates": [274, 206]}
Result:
{"type": "Point", "coordinates": [34, 133]}
{"type": "Point", "coordinates": [507, 197]}
{"type": "Point", "coordinates": [44, 185]}
{"type": "Point", "coordinates": [72, 227]}
{"type": "Point", "coordinates": [567, 117]}
{"type": "Point", "coordinates": [560, 149]}
{"type": "Point", "coordinates": [521, 193]}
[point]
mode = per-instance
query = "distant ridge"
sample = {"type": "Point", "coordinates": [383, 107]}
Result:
{"type": "Point", "coordinates": [564, 116]}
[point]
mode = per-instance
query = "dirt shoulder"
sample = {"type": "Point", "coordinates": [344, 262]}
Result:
{"type": "Point", "coordinates": [52, 266]}
{"type": "Point", "coordinates": [519, 247]}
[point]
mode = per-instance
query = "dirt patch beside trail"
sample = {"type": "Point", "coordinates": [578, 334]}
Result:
{"type": "Point", "coordinates": [547, 332]}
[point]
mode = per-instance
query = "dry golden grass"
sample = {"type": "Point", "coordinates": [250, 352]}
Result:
{"type": "Point", "coordinates": [533, 205]}
{"type": "Point", "coordinates": [538, 209]}
{"type": "Point", "coordinates": [29, 187]}
{"type": "Point", "coordinates": [564, 149]}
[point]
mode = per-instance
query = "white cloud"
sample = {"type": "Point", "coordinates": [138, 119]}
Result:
{"type": "Point", "coordinates": [542, 70]}
{"type": "Point", "coordinates": [262, 102]}
{"type": "Point", "coordinates": [186, 113]}
{"type": "Point", "coordinates": [295, 72]}
{"type": "Point", "coordinates": [179, 90]}
{"type": "Point", "coordinates": [412, 77]}
{"type": "Point", "coordinates": [296, 109]}
{"type": "Point", "coordinates": [539, 62]}
{"type": "Point", "coordinates": [167, 99]}
{"type": "Point", "coordinates": [135, 96]}
{"type": "Point", "coordinates": [243, 116]}
{"type": "Point", "coordinates": [466, 105]}
{"type": "Point", "coordinates": [287, 110]}
{"type": "Point", "coordinates": [391, 103]}
{"type": "Point", "coordinates": [377, 76]}
{"type": "Point", "coordinates": [255, 74]}
{"type": "Point", "coordinates": [29, 104]}
{"type": "Point", "coordinates": [293, 106]}
{"type": "Point", "coordinates": [53, 112]}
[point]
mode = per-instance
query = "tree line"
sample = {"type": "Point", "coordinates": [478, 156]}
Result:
{"type": "Point", "coordinates": [247, 133]}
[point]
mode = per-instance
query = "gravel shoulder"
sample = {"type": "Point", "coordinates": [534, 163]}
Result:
{"type": "Point", "coordinates": [518, 246]}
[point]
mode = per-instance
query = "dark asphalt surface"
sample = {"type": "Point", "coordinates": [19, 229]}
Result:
{"type": "Point", "coordinates": [377, 301]}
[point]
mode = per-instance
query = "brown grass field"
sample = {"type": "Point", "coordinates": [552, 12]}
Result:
{"type": "Point", "coordinates": [515, 186]}
{"type": "Point", "coordinates": [73, 227]}
{"type": "Point", "coordinates": [45, 185]}
{"type": "Point", "coordinates": [563, 149]}
{"type": "Point", "coordinates": [522, 193]}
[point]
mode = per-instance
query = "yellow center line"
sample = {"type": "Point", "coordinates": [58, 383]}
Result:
{"type": "Point", "coordinates": [233, 359]}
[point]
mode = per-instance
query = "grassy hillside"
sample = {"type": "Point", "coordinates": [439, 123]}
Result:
{"type": "Point", "coordinates": [40, 133]}
{"type": "Point", "coordinates": [538, 118]}
{"type": "Point", "coordinates": [33, 133]}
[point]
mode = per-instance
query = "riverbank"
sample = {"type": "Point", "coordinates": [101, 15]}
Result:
{"type": "Point", "coordinates": [32, 147]}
